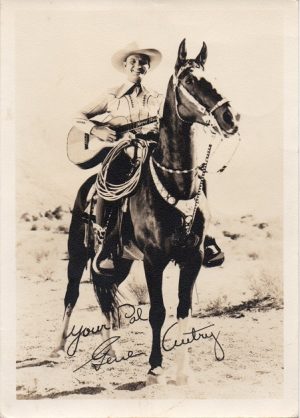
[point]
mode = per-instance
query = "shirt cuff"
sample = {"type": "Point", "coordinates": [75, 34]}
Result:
{"type": "Point", "coordinates": [84, 125]}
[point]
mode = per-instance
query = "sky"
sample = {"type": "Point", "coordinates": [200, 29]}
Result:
{"type": "Point", "coordinates": [62, 62]}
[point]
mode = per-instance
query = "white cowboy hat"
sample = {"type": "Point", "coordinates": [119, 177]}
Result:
{"type": "Point", "coordinates": [120, 56]}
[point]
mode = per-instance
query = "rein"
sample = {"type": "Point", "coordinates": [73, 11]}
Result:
{"type": "Point", "coordinates": [211, 123]}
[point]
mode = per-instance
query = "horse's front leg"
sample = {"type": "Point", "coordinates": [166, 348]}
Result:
{"type": "Point", "coordinates": [154, 272]}
{"type": "Point", "coordinates": [189, 270]}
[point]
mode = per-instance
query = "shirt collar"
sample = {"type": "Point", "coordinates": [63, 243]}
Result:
{"type": "Point", "coordinates": [125, 87]}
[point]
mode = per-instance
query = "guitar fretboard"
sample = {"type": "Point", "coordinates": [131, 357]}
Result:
{"type": "Point", "coordinates": [133, 125]}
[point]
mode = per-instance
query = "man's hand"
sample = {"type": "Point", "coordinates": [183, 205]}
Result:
{"type": "Point", "coordinates": [104, 133]}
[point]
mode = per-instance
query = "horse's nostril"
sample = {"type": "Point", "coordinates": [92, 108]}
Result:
{"type": "Point", "coordinates": [227, 116]}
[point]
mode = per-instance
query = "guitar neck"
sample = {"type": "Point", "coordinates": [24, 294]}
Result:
{"type": "Point", "coordinates": [138, 124]}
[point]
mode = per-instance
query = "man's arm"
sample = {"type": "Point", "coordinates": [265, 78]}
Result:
{"type": "Point", "coordinates": [99, 106]}
{"type": "Point", "coordinates": [82, 119]}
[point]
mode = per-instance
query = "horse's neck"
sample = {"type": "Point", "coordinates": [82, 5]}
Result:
{"type": "Point", "coordinates": [175, 150]}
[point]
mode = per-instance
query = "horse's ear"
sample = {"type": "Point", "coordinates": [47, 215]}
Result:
{"type": "Point", "coordinates": [202, 56]}
{"type": "Point", "coordinates": [181, 57]}
{"type": "Point", "coordinates": [182, 51]}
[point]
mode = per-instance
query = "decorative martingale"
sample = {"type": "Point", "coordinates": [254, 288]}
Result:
{"type": "Point", "coordinates": [186, 207]}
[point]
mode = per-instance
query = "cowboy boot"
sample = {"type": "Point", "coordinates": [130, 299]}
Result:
{"type": "Point", "coordinates": [213, 255]}
{"type": "Point", "coordinates": [101, 266]}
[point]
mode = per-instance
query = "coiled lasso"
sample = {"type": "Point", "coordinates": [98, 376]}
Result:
{"type": "Point", "coordinates": [110, 191]}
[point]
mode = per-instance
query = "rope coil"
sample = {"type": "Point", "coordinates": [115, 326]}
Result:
{"type": "Point", "coordinates": [110, 191]}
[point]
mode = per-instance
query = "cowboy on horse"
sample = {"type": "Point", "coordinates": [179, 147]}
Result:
{"type": "Point", "coordinates": [161, 193]}
{"type": "Point", "coordinates": [128, 103]}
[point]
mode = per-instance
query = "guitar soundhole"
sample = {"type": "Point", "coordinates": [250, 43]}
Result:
{"type": "Point", "coordinates": [86, 141]}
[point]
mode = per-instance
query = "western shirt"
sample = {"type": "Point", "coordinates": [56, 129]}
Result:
{"type": "Point", "coordinates": [121, 102]}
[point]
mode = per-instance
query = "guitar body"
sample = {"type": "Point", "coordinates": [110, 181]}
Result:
{"type": "Point", "coordinates": [87, 151]}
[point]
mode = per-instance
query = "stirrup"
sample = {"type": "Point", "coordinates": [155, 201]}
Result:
{"type": "Point", "coordinates": [104, 267]}
{"type": "Point", "coordinates": [99, 235]}
{"type": "Point", "coordinates": [213, 255]}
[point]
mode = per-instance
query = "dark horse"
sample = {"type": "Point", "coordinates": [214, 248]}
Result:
{"type": "Point", "coordinates": [162, 229]}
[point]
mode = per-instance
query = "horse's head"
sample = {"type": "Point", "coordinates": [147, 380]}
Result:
{"type": "Point", "coordinates": [195, 98]}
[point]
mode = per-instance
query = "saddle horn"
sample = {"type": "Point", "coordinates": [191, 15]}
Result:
{"type": "Point", "coordinates": [202, 56]}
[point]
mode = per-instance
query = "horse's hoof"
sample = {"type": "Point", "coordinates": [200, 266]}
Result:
{"type": "Point", "coordinates": [156, 377]}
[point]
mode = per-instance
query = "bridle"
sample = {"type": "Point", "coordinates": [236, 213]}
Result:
{"type": "Point", "coordinates": [210, 124]}
{"type": "Point", "coordinates": [207, 115]}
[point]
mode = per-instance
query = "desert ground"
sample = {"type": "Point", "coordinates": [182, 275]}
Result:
{"type": "Point", "coordinates": [241, 300]}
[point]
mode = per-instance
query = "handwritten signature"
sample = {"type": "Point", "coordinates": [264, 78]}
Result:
{"type": "Point", "coordinates": [102, 355]}
{"type": "Point", "coordinates": [193, 335]}
{"type": "Point", "coordinates": [132, 314]}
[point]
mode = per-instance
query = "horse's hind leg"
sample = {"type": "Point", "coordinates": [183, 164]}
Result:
{"type": "Point", "coordinates": [188, 274]}
{"type": "Point", "coordinates": [77, 262]}
{"type": "Point", "coordinates": [75, 270]}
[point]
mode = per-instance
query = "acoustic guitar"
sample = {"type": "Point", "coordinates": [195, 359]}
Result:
{"type": "Point", "coordinates": [86, 150]}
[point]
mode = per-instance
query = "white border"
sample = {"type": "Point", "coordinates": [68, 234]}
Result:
{"type": "Point", "coordinates": [286, 407]}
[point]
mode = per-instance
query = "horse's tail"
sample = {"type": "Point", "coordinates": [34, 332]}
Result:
{"type": "Point", "coordinates": [107, 288]}
{"type": "Point", "coordinates": [106, 291]}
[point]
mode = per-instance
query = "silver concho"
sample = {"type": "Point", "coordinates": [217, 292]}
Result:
{"type": "Point", "coordinates": [188, 219]}
{"type": "Point", "coordinates": [171, 200]}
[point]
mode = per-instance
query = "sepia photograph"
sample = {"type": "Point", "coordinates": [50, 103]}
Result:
{"type": "Point", "coordinates": [149, 234]}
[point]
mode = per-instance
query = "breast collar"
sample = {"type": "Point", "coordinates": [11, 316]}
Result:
{"type": "Point", "coordinates": [185, 206]}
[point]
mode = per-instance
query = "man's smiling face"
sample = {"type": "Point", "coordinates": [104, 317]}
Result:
{"type": "Point", "coordinates": [136, 67]}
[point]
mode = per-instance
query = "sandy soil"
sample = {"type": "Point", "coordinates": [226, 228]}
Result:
{"type": "Point", "coordinates": [242, 300]}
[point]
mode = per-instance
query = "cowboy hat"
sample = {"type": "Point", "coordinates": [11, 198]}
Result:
{"type": "Point", "coordinates": [120, 56]}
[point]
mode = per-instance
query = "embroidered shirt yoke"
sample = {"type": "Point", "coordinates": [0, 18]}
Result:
{"type": "Point", "coordinates": [123, 101]}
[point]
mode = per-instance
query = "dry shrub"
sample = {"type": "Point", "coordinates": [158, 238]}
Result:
{"type": "Point", "coordinates": [46, 273]}
{"type": "Point", "coordinates": [138, 288]}
{"type": "Point", "coordinates": [62, 229]}
{"type": "Point", "coordinates": [253, 255]}
{"type": "Point", "coordinates": [26, 217]}
{"type": "Point", "coordinates": [41, 255]}
{"type": "Point", "coordinates": [268, 284]}
{"type": "Point", "coordinates": [217, 306]}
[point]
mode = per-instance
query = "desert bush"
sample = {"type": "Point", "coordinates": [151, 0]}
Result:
{"type": "Point", "coordinates": [138, 288]}
{"type": "Point", "coordinates": [231, 235]}
{"type": "Point", "coordinates": [217, 306]}
{"type": "Point", "coordinates": [63, 229]}
{"type": "Point", "coordinates": [261, 225]}
{"type": "Point", "coordinates": [268, 284]}
{"type": "Point", "coordinates": [33, 227]}
{"type": "Point", "coordinates": [58, 212]}
{"type": "Point", "coordinates": [41, 255]}
{"type": "Point", "coordinates": [253, 256]}
{"type": "Point", "coordinates": [26, 217]}
{"type": "Point", "coordinates": [46, 273]}
{"type": "Point", "coordinates": [49, 214]}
